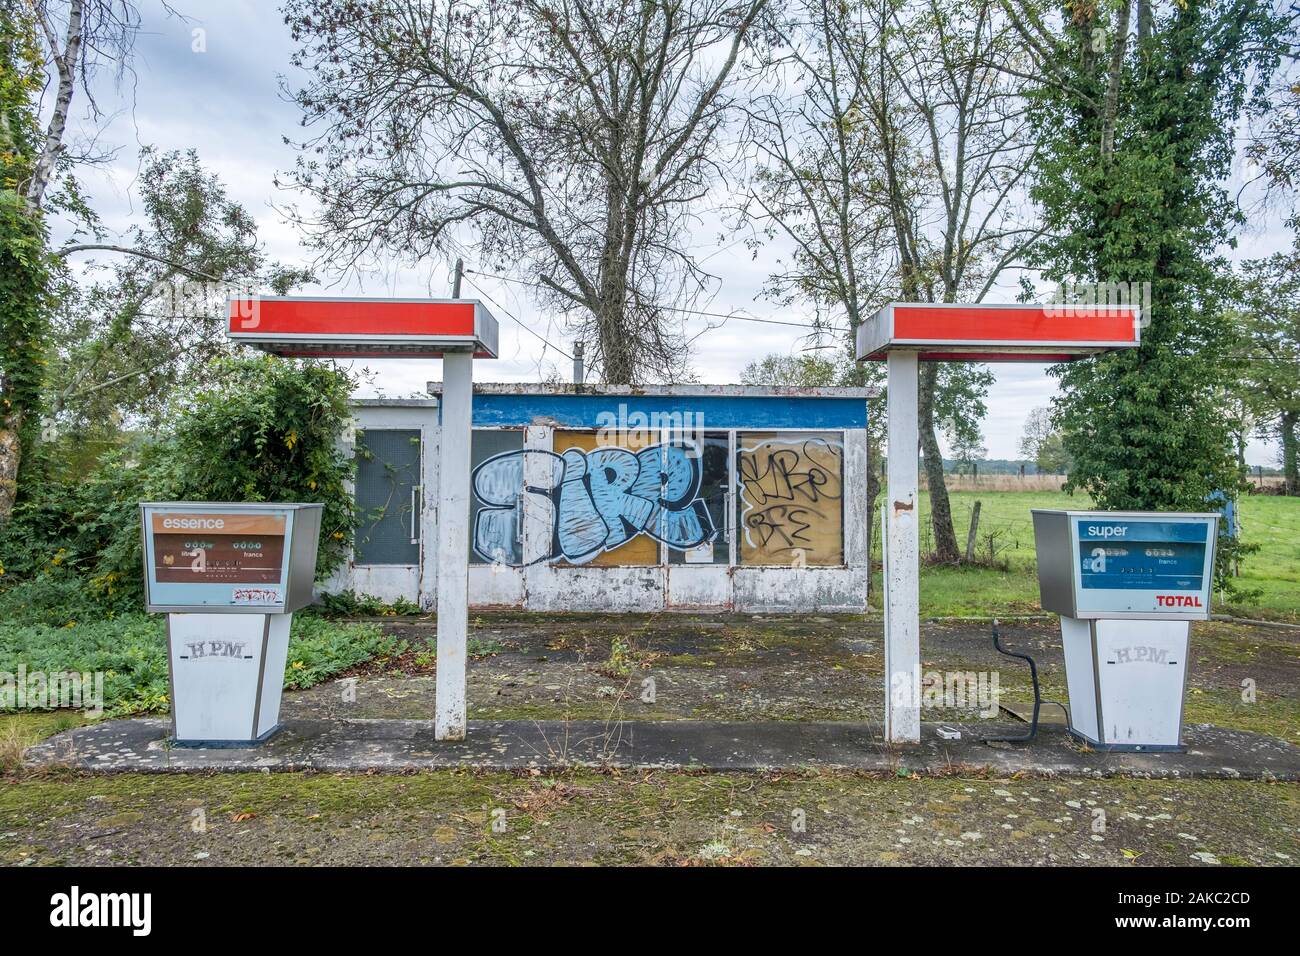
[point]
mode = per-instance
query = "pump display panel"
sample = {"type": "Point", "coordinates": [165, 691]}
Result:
{"type": "Point", "coordinates": [1152, 565]}
{"type": "Point", "coordinates": [226, 556]}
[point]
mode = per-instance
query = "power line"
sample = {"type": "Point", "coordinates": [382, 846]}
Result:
{"type": "Point", "coordinates": [670, 308]}
{"type": "Point", "coordinates": [511, 316]}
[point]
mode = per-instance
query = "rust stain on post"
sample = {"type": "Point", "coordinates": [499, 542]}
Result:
{"type": "Point", "coordinates": [902, 506]}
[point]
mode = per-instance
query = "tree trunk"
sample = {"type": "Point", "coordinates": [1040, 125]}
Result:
{"type": "Point", "coordinates": [945, 538]}
{"type": "Point", "coordinates": [67, 61]}
{"type": "Point", "coordinates": [1290, 453]}
{"type": "Point", "coordinates": [618, 365]}
{"type": "Point", "coordinates": [1115, 75]}
{"type": "Point", "coordinates": [11, 456]}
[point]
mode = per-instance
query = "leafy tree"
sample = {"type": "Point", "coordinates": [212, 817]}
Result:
{"type": "Point", "coordinates": [270, 431]}
{"type": "Point", "coordinates": [124, 342]}
{"type": "Point", "coordinates": [578, 139]}
{"type": "Point", "coordinates": [1270, 317]}
{"type": "Point", "coordinates": [58, 45]}
{"type": "Point", "coordinates": [23, 266]}
{"type": "Point", "coordinates": [1043, 443]}
{"type": "Point", "coordinates": [805, 370]}
{"type": "Point", "coordinates": [1136, 135]}
{"type": "Point", "coordinates": [967, 450]}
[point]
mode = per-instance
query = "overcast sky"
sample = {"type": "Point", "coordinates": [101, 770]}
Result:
{"type": "Point", "coordinates": [218, 91]}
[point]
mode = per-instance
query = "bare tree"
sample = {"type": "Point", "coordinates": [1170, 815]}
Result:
{"type": "Point", "coordinates": [81, 37]}
{"type": "Point", "coordinates": [1273, 137]}
{"type": "Point", "coordinates": [894, 160]}
{"type": "Point", "coordinates": [77, 38]}
{"type": "Point", "coordinates": [576, 138]}
{"type": "Point", "coordinates": [122, 344]}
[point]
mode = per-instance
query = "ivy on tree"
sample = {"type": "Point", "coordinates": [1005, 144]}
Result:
{"type": "Point", "coordinates": [1136, 134]}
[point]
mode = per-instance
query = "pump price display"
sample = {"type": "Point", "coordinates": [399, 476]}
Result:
{"type": "Point", "coordinates": [1141, 555]}
{"type": "Point", "coordinates": [217, 556]}
{"type": "Point", "coordinates": [218, 548]}
{"type": "Point", "coordinates": [1140, 565]}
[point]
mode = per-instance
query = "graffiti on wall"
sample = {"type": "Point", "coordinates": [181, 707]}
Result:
{"type": "Point", "coordinates": [791, 499]}
{"type": "Point", "coordinates": [596, 501]}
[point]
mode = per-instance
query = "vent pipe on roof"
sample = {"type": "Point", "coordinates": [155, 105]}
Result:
{"type": "Point", "coordinates": [577, 363]}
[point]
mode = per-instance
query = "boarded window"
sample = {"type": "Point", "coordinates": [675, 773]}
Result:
{"type": "Point", "coordinates": [623, 545]}
{"type": "Point", "coordinates": [495, 506]}
{"type": "Point", "coordinates": [790, 498]}
{"type": "Point", "coordinates": [387, 491]}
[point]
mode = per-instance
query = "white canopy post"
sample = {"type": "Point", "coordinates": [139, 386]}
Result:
{"type": "Point", "coordinates": [902, 559]}
{"type": "Point", "coordinates": [453, 544]}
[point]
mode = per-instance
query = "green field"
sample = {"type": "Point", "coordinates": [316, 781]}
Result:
{"type": "Point", "coordinates": [1270, 521]}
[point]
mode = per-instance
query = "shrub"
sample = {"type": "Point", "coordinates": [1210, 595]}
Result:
{"type": "Point", "coordinates": [266, 430]}
{"type": "Point", "coordinates": [351, 604]}
{"type": "Point", "coordinates": [269, 430]}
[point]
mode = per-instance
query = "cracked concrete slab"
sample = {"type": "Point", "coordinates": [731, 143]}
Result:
{"type": "Point", "coordinates": [388, 745]}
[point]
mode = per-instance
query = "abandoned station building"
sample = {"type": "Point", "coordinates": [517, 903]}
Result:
{"type": "Point", "coordinates": [624, 499]}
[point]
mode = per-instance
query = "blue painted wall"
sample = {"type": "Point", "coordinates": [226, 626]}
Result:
{"type": "Point", "coordinates": [718, 412]}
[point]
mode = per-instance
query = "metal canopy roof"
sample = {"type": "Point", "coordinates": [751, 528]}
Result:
{"type": "Point", "coordinates": [344, 327]}
{"type": "Point", "coordinates": [989, 332]}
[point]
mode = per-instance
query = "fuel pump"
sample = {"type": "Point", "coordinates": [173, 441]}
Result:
{"type": "Point", "coordinates": [1127, 585]}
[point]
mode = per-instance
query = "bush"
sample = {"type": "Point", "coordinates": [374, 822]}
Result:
{"type": "Point", "coordinates": [266, 430]}
{"type": "Point", "coordinates": [131, 651]}
{"type": "Point", "coordinates": [351, 604]}
{"type": "Point", "coordinates": [269, 430]}
{"type": "Point", "coordinates": [319, 648]}
{"type": "Point", "coordinates": [76, 539]}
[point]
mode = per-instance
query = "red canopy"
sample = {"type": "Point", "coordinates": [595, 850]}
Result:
{"type": "Point", "coordinates": [295, 326]}
{"type": "Point", "coordinates": [1021, 332]}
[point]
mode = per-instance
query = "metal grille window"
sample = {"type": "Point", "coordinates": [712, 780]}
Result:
{"type": "Point", "coordinates": [496, 497]}
{"type": "Point", "coordinates": [388, 496]}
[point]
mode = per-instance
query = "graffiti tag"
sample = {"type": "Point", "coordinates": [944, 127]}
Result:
{"type": "Point", "coordinates": [791, 500]}
{"type": "Point", "coordinates": [597, 501]}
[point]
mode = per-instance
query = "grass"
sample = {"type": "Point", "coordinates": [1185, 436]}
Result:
{"type": "Point", "coordinates": [131, 652]}
{"type": "Point", "coordinates": [660, 818]}
{"type": "Point", "coordinates": [18, 731]}
{"type": "Point", "coordinates": [1006, 533]}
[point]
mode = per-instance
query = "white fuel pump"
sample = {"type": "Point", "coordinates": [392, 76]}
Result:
{"type": "Point", "coordinates": [229, 577]}
{"type": "Point", "coordinates": [1127, 585]}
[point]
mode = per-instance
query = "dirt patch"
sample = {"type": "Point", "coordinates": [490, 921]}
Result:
{"type": "Point", "coordinates": [787, 667]}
